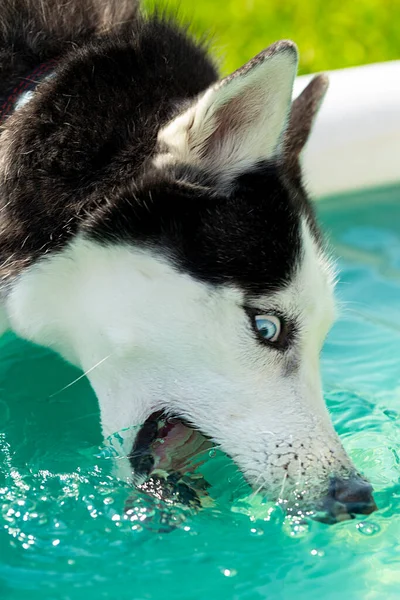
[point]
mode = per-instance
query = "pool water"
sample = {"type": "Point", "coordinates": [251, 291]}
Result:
{"type": "Point", "coordinates": [63, 534]}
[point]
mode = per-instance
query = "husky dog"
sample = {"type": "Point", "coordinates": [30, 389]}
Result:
{"type": "Point", "coordinates": [155, 231]}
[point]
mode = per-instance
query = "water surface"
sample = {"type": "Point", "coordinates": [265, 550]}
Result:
{"type": "Point", "coordinates": [63, 534]}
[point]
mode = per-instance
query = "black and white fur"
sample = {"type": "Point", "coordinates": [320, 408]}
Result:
{"type": "Point", "coordinates": [148, 213]}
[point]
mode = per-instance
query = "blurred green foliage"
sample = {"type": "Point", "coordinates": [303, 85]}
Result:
{"type": "Point", "coordinates": [330, 33]}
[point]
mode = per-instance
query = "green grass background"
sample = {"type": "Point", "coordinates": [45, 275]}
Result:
{"type": "Point", "coordinates": [330, 33]}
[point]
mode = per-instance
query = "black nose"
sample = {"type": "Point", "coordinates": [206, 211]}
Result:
{"type": "Point", "coordinates": [348, 497]}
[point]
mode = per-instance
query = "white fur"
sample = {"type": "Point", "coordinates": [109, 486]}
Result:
{"type": "Point", "coordinates": [24, 99]}
{"type": "Point", "coordinates": [150, 337]}
{"type": "Point", "coordinates": [236, 123]}
{"type": "Point", "coordinates": [162, 340]}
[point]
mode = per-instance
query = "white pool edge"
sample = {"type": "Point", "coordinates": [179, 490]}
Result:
{"type": "Point", "coordinates": [355, 143]}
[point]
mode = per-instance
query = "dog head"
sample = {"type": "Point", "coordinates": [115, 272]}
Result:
{"type": "Point", "coordinates": [203, 289]}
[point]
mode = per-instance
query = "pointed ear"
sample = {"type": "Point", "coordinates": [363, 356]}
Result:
{"type": "Point", "coordinates": [302, 117]}
{"type": "Point", "coordinates": [239, 121]}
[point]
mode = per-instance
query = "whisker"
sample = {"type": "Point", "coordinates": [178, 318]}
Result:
{"type": "Point", "coordinates": [265, 497]}
{"type": "Point", "coordinates": [228, 465]}
{"type": "Point", "coordinates": [80, 376]}
{"type": "Point", "coordinates": [299, 475]}
{"type": "Point", "coordinates": [258, 489]}
{"type": "Point", "coordinates": [243, 485]}
{"type": "Point", "coordinates": [85, 416]}
{"type": "Point", "coordinates": [283, 485]}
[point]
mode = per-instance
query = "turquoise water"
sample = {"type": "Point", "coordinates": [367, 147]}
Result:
{"type": "Point", "coordinates": [63, 534]}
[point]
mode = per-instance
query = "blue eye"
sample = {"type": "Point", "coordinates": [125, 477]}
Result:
{"type": "Point", "coordinates": [268, 326]}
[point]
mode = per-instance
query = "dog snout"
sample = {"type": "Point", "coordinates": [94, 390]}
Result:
{"type": "Point", "coordinates": [347, 497]}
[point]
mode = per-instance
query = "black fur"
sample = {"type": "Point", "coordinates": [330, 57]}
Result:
{"type": "Point", "coordinates": [77, 157]}
{"type": "Point", "coordinates": [250, 236]}
{"type": "Point", "coordinates": [34, 31]}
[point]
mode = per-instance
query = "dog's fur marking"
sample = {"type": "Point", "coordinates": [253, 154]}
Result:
{"type": "Point", "coordinates": [145, 208]}
{"type": "Point", "coordinates": [238, 122]}
{"type": "Point", "coordinates": [195, 345]}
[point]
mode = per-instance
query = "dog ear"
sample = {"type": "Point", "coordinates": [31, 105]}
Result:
{"type": "Point", "coordinates": [302, 117]}
{"type": "Point", "coordinates": [240, 120]}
